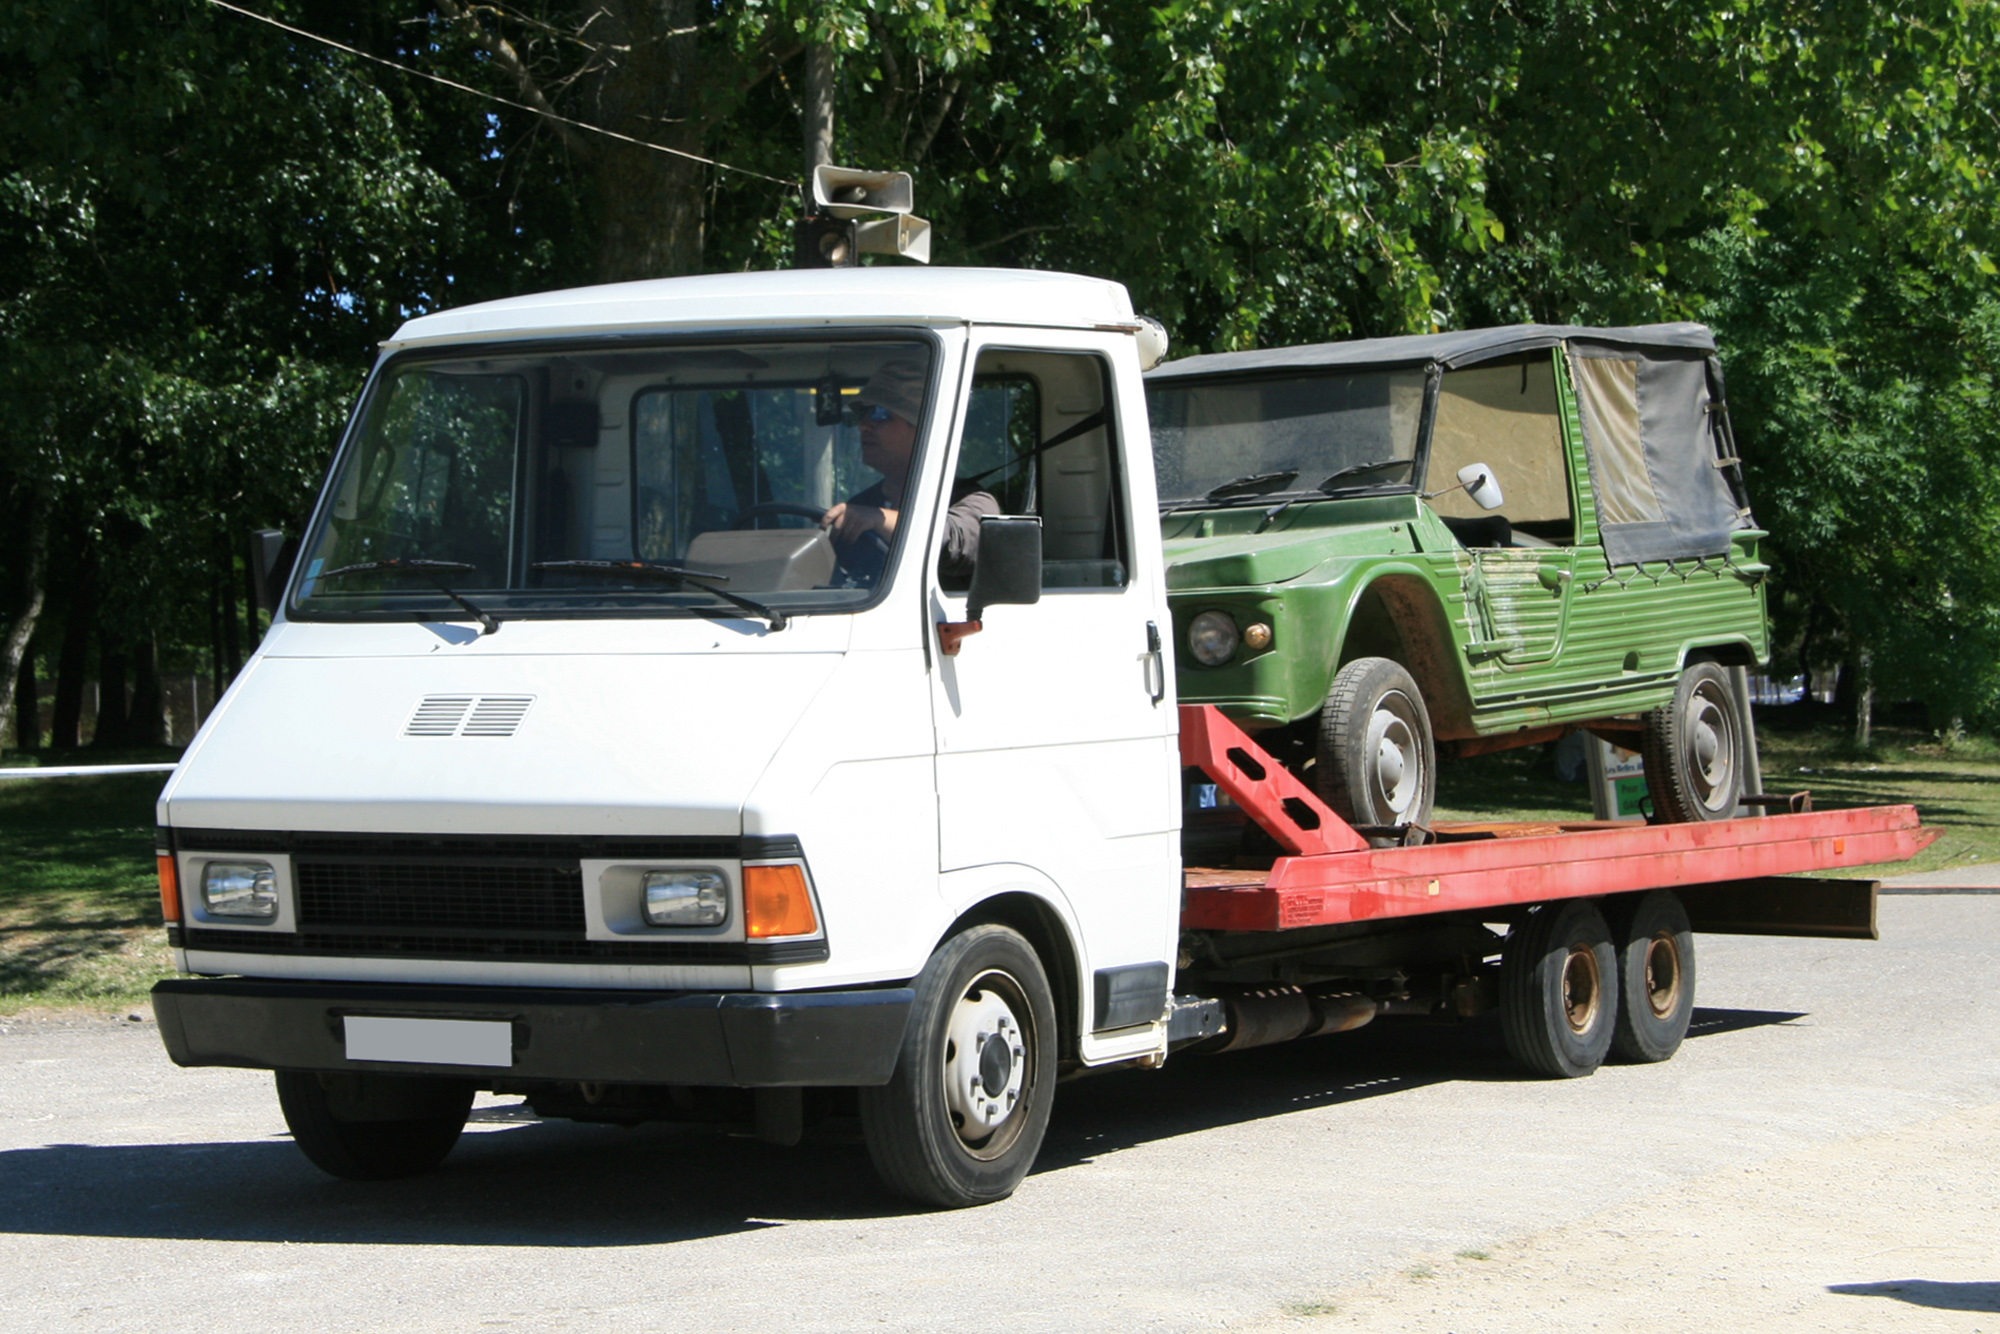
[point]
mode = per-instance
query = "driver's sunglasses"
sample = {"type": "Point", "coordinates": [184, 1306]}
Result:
{"type": "Point", "coordinates": [874, 412]}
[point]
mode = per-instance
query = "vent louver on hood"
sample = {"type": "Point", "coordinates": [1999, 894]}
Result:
{"type": "Point", "coordinates": [468, 715]}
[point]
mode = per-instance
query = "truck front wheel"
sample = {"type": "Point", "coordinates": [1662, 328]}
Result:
{"type": "Point", "coordinates": [1559, 989]}
{"type": "Point", "coordinates": [373, 1127]}
{"type": "Point", "coordinates": [961, 1120]}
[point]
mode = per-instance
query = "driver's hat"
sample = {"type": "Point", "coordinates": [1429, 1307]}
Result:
{"type": "Point", "coordinates": [897, 386]}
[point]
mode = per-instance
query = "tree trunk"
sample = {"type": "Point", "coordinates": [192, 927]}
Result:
{"type": "Point", "coordinates": [112, 710]}
{"type": "Point", "coordinates": [146, 725]}
{"type": "Point", "coordinates": [14, 647]}
{"type": "Point", "coordinates": [821, 73]}
{"type": "Point", "coordinates": [648, 205]}
{"type": "Point", "coordinates": [1864, 699]}
{"type": "Point", "coordinates": [66, 726]}
{"type": "Point", "coordinates": [27, 705]}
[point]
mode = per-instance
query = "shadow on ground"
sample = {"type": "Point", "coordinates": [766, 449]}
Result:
{"type": "Point", "coordinates": [1929, 1292]}
{"type": "Point", "coordinates": [557, 1184]}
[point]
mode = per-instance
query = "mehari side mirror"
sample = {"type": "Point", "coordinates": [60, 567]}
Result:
{"type": "Point", "coordinates": [1481, 485]}
{"type": "Point", "coordinates": [1006, 572]}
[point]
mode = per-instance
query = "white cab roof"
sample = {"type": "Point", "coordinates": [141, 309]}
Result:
{"type": "Point", "coordinates": [790, 297]}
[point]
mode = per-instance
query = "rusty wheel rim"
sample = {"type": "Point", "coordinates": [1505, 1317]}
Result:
{"type": "Point", "coordinates": [1582, 988]}
{"type": "Point", "coordinates": [1663, 974]}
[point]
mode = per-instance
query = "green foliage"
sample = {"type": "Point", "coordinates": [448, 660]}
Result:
{"type": "Point", "coordinates": [205, 224]}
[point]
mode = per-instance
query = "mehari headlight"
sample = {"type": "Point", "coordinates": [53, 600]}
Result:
{"type": "Point", "coordinates": [239, 889]}
{"type": "Point", "coordinates": [1212, 638]}
{"type": "Point", "coordinates": [685, 898]}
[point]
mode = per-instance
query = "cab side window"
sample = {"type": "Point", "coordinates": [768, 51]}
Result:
{"type": "Point", "coordinates": [1040, 438]}
{"type": "Point", "coordinates": [1505, 415]}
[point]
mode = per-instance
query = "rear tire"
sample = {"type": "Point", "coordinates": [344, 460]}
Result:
{"type": "Point", "coordinates": [339, 1121]}
{"type": "Point", "coordinates": [961, 1120]}
{"type": "Point", "coordinates": [1694, 749]}
{"type": "Point", "coordinates": [1559, 990]}
{"type": "Point", "coordinates": [1376, 763]}
{"type": "Point", "coordinates": [1655, 979]}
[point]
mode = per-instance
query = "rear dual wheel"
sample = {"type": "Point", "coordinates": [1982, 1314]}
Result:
{"type": "Point", "coordinates": [1575, 988]}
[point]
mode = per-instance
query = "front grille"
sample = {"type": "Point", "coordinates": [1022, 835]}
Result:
{"type": "Point", "coordinates": [451, 896]}
{"type": "Point", "coordinates": [515, 898]}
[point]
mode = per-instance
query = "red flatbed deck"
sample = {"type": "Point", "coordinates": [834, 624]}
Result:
{"type": "Point", "coordinates": [1331, 875]}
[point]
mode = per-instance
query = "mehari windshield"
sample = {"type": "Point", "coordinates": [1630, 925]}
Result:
{"type": "Point", "coordinates": [1231, 441]}
{"type": "Point", "coordinates": [607, 480]}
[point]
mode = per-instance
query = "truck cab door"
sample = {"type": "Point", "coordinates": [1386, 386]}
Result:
{"type": "Point", "coordinates": [1057, 751]}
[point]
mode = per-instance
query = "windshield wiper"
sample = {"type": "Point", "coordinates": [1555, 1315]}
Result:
{"type": "Point", "coordinates": [425, 569]}
{"type": "Point", "coordinates": [673, 574]}
{"type": "Point", "coordinates": [1378, 465]}
{"type": "Point", "coordinates": [1256, 484]}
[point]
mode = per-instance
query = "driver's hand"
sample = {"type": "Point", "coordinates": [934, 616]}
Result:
{"type": "Point", "coordinates": [847, 522]}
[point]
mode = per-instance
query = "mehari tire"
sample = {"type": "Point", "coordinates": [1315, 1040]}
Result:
{"type": "Point", "coordinates": [1376, 763]}
{"type": "Point", "coordinates": [1694, 749]}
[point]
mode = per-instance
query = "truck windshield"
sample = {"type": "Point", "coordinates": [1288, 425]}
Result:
{"type": "Point", "coordinates": [1240, 441]}
{"type": "Point", "coordinates": [587, 480]}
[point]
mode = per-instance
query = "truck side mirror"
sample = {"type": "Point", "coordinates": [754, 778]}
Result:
{"type": "Point", "coordinates": [1006, 572]}
{"type": "Point", "coordinates": [1008, 569]}
{"type": "Point", "coordinates": [271, 557]}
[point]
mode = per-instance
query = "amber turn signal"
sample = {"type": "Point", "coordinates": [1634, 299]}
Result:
{"type": "Point", "coordinates": [170, 890]}
{"type": "Point", "coordinates": [776, 902]}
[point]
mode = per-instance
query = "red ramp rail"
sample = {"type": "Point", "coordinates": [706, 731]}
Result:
{"type": "Point", "coordinates": [1332, 875]}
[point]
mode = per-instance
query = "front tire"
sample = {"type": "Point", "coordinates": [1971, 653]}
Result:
{"type": "Point", "coordinates": [1655, 979]}
{"type": "Point", "coordinates": [373, 1127]}
{"type": "Point", "coordinates": [1376, 763]}
{"type": "Point", "coordinates": [1694, 749]}
{"type": "Point", "coordinates": [961, 1120]}
{"type": "Point", "coordinates": [1559, 990]}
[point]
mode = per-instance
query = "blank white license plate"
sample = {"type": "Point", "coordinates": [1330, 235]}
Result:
{"type": "Point", "coordinates": [430, 1041]}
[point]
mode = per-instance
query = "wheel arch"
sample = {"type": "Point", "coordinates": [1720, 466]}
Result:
{"type": "Point", "coordinates": [1398, 615]}
{"type": "Point", "coordinates": [1723, 653]}
{"type": "Point", "coordinates": [1045, 930]}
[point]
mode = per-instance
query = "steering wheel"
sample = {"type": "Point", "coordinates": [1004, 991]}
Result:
{"type": "Point", "coordinates": [863, 559]}
{"type": "Point", "coordinates": [773, 509]}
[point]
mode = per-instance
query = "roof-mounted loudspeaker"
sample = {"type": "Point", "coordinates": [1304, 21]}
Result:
{"type": "Point", "coordinates": [847, 192]}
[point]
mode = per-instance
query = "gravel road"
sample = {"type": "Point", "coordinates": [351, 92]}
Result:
{"type": "Point", "coordinates": [1823, 1154]}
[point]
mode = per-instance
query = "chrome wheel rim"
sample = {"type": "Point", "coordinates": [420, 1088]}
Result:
{"type": "Point", "coordinates": [988, 1064]}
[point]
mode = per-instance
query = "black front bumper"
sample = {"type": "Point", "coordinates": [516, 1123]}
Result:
{"type": "Point", "coordinates": [740, 1039]}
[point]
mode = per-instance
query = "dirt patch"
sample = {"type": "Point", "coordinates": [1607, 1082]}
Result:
{"type": "Point", "coordinates": [1895, 1231]}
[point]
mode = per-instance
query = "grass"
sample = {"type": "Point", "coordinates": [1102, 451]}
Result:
{"type": "Point", "coordinates": [1954, 786]}
{"type": "Point", "coordinates": [80, 914]}
{"type": "Point", "coordinates": [79, 902]}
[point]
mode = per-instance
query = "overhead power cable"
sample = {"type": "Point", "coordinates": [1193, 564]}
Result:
{"type": "Point", "coordinates": [491, 97]}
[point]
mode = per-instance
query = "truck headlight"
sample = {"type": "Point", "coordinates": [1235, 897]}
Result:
{"type": "Point", "coordinates": [1212, 638]}
{"type": "Point", "coordinates": [239, 889]}
{"type": "Point", "coordinates": [685, 898]}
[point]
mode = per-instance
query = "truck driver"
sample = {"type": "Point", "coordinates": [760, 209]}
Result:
{"type": "Point", "coordinates": [887, 409]}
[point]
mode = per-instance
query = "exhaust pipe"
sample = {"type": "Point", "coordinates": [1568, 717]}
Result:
{"type": "Point", "coordinates": [1280, 1014]}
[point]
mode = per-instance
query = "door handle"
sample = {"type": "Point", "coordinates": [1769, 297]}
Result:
{"type": "Point", "coordinates": [1156, 663]}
